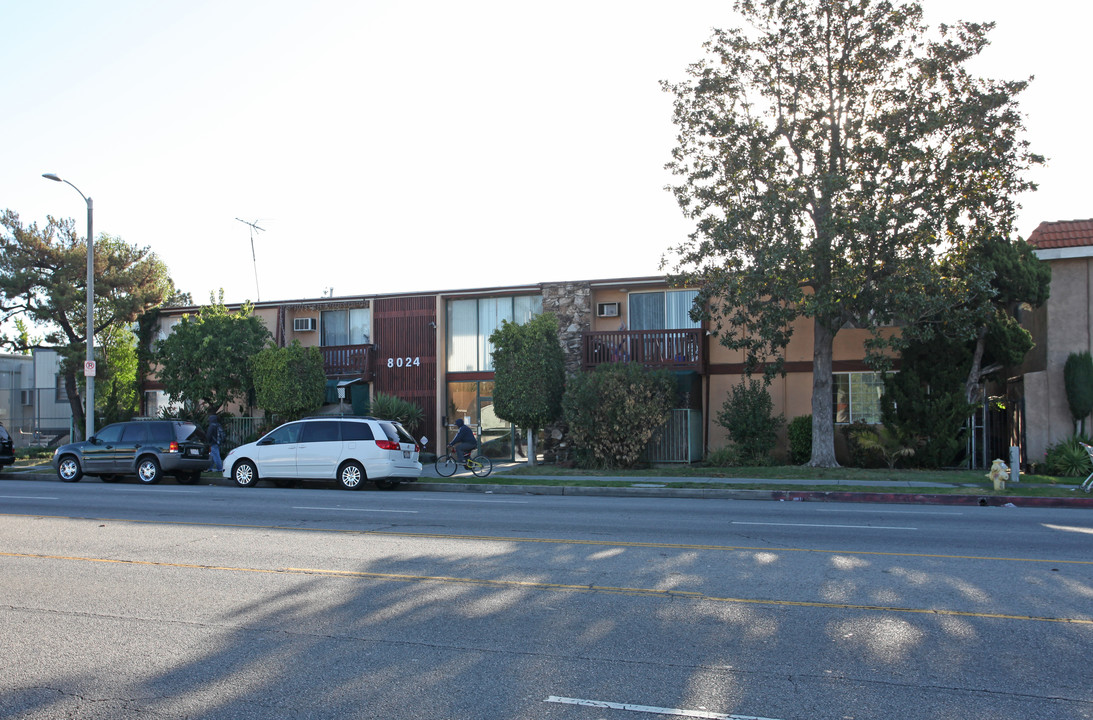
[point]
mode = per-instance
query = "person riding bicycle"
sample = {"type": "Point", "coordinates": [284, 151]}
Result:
{"type": "Point", "coordinates": [464, 441]}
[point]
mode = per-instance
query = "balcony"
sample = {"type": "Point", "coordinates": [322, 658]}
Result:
{"type": "Point", "coordinates": [657, 349]}
{"type": "Point", "coordinates": [348, 361]}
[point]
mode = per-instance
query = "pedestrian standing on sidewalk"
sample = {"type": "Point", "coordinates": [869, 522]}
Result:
{"type": "Point", "coordinates": [215, 434]}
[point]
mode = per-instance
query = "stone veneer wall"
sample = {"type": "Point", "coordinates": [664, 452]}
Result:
{"type": "Point", "coordinates": [571, 303]}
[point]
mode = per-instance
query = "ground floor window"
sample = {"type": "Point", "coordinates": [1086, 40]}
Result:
{"type": "Point", "coordinates": [473, 402]}
{"type": "Point", "coordinates": [857, 397]}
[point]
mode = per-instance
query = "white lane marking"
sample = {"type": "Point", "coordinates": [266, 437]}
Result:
{"type": "Point", "coordinates": [305, 507]}
{"type": "Point", "coordinates": [650, 709]}
{"type": "Point", "coordinates": [892, 512]}
{"type": "Point", "coordinates": [509, 502]}
{"type": "Point", "coordinates": [25, 497]}
{"type": "Point", "coordinates": [862, 527]}
{"type": "Point", "coordinates": [157, 490]}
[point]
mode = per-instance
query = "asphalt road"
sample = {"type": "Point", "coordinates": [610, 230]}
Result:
{"type": "Point", "coordinates": [220, 602]}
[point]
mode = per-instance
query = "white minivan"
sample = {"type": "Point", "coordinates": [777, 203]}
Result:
{"type": "Point", "coordinates": [349, 450]}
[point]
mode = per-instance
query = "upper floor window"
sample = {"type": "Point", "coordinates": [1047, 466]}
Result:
{"type": "Point", "coordinates": [346, 327]}
{"type": "Point", "coordinates": [857, 397]}
{"type": "Point", "coordinates": [662, 310]}
{"type": "Point", "coordinates": [472, 321]}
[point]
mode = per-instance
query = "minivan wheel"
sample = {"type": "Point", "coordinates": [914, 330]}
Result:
{"type": "Point", "coordinates": [351, 476]}
{"type": "Point", "coordinates": [69, 469]}
{"type": "Point", "coordinates": [387, 484]}
{"type": "Point", "coordinates": [148, 471]}
{"type": "Point", "coordinates": [245, 474]}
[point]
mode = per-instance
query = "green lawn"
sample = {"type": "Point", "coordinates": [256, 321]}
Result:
{"type": "Point", "coordinates": [959, 482]}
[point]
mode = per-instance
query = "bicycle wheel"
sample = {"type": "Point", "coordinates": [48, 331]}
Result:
{"type": "Point", "coordinates": [446, 466]}
{"type": "Point", "coordinates": [481, 466]}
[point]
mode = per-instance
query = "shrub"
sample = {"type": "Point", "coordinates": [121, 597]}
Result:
{"type": "Point", "coordinates": [389, 407]}
{"type": "Point", "coordinates": [799, 434]}
{"type": "Point", "coordinates": [727, 456]}
{"type": "Point", "coordinates": [1068, 458]}
{"type": "Point", "coordinates": [613, 411]}
{"type": "Point", "coordinates": [861, 455]}
{"type": "Point", "coordinates": [747, 415]}
{"type": "Point", "coordinates": [1078, 379]}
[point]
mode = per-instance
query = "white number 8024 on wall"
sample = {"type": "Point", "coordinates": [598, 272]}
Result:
{"type": "Point", "coordinates": [403, 362]}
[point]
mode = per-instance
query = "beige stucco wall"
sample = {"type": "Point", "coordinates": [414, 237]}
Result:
{"type": "Point", "coordinates": [1069, 329]}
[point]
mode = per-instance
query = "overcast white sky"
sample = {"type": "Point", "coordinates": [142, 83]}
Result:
{"type": "Point", "coordinates": [409, 146]}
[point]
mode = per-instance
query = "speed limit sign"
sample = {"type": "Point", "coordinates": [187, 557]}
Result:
{"type": "Point", "coordinates": [89, 368]}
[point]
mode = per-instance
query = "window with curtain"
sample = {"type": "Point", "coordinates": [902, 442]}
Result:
{"type": "Point", "coordinates": [857, 397]}
{"type": "Point", "coordinates": [662, 310]}
{"type": "Point", "coordinates": [472, 321]}
{"type": "Point", "coordinates": [346, 327]}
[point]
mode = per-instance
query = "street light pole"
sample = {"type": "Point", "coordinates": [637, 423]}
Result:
{"type": "Point", "coordinates": [89, 421]}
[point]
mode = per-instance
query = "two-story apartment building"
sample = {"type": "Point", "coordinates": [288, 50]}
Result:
{"type": "Point", "coordinates": [433, 349]}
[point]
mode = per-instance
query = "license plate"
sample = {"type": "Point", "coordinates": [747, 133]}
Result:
{"type": "Point", "coordinates": [193, 451]}
{"type": "Point", "coordinates": [406, 454]}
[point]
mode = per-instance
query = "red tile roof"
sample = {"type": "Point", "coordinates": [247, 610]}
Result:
{"type": "Point", "coordinates": [1064, 233]}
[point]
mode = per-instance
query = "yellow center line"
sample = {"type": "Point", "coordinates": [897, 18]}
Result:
{"type": "Point", "coordinates": [535, 585]}
{"type": "Point", "coordinates": [555, 541]}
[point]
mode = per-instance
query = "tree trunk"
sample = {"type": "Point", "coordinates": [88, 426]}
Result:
{"type": "Point", "coordinates": [971, 385]}
{"type": "Point", "coordinates": [75, 402]}
{"type": "Point", "coordinates": [823, 416]}
{"type": "Point", "coordinates": [531, 447]}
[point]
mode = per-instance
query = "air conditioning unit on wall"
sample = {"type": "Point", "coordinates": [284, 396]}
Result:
{"type": "Point", "coordinates": [303, 324]}
{"type": "Point", "coordinates": [610, 309]}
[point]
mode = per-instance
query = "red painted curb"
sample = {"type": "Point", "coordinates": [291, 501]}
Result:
{"type": "Point", "coordinates": [930, 499]}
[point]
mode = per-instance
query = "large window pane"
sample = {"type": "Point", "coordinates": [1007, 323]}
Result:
{"type": "Point", "coordinates": [526, 307]}
{"type": "Point", "coordinates": [359, 326]}
{"type": "Point", "coordinates": [841, 389]}
{"type": "Point", "coordinates": [491, 311]}
{"type": "Point", "coordinates": [679, 304]}
{"type": "Point", "coordinates": [647, 311]}
{"type": "Point", "coordinates": [857, 397]}
{"type": "Point", "coordinates": [865, 392]}
{"type": "Point", "coordinates": [334, 328]}
{"type": "Point", "coordinates": [462, 336]}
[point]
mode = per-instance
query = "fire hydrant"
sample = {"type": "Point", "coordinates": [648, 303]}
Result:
{"type": "Point", "coordinates": [999, 473]}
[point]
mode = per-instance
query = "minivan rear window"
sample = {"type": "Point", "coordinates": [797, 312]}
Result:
{"type": "Point", "coordinates": [397, 433]}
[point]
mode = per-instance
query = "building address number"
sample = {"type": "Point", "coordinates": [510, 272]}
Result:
{"type": "Point", "coordinates": [403, 362]}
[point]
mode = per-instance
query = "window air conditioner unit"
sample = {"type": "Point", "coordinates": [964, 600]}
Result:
{"type": "Point", "coordinates": [303, 324]}
{"type": "Point", "coordinates": [607, 309]}
{"type": "Point", "coordinates": [26, 397]}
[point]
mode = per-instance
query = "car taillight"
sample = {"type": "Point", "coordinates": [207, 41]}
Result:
{"type": "Point", "coordinates": [387, 445]}
{"type": "Point", "coordinates": [173, 447]}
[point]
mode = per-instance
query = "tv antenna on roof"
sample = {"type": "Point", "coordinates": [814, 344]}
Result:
{"type": "Point", "coordinates": [253, 227]}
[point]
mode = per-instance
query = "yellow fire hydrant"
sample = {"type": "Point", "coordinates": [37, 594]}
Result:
{"type": "Point", "coordinates": [999, 473]}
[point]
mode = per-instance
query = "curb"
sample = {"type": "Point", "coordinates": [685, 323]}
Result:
{"type": "Point", "coordinates": [908, 498]}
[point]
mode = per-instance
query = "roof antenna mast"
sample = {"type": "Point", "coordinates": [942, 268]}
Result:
{"type": "Point", "coordinates": [253, 227]}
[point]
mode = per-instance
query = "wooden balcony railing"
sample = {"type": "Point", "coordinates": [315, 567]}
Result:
{"type": "Point", "coordinates": [670, 349]}
{"type": "Point", "coordinates": [348, 361]}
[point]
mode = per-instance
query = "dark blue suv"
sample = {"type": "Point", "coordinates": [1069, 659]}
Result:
{"type": "Point", "coordinates": [148, 449]}
{"type": "Point", "coordinates": [7, 448]}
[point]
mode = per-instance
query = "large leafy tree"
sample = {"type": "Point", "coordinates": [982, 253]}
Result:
{"type": "Point", "coordinates": [207, 360]}
{"type": "Point", "coordinates": [529, 374]}
{"type": "Point", "coordinates": [829, 155]}
{"type": "Point", "coordinates": [289, 382]}
{"type": "Point", "coordinates": [43, 279]}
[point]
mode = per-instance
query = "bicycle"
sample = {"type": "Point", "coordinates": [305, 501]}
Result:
{"type": "Point", "coordinates": [480, 465]}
